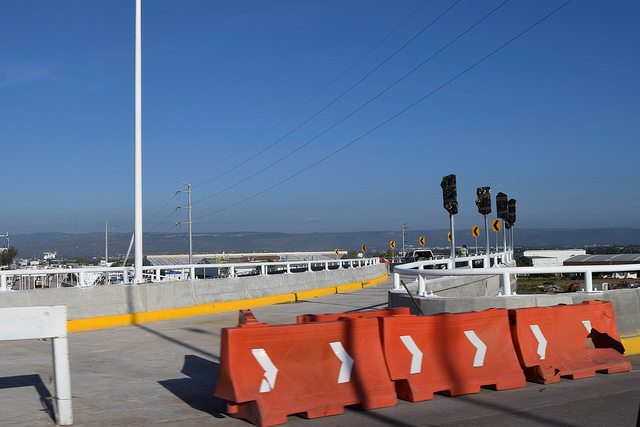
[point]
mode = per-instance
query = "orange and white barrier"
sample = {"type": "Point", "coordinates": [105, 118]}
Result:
{"type": "Point", "coordinates": [325, 362]}
{"type": "Point", "coordinates": [574, 341]}
{"type": "Point", "coordinates": [305, 318]}
{"type": "Point", "coordinates": [450, 353]}
{"type": "Point", "coordinates": [315, 369]}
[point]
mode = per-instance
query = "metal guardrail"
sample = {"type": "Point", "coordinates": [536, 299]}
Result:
{"type": "Point", "coordinates": [94, 276]}
{"type": "Point", "coordinates": [442, 268]}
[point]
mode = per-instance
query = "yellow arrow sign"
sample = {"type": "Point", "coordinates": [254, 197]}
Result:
{"type": "Point", "coordinates": [364, 248]}
{"type": "Point", "coordinates": [496, 225]}
{"type": "Point", "coordinates": [422, 240]}
{"type": "Point", "coordinates": [449, 236]}
{"type": "Point", "coordinates": [475, 231]}
{"type": "Point", "coordinates": [337, 251]}
{"type": "Point", "coordinates": [392, 244]}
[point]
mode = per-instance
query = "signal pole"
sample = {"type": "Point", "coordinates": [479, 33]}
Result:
{"type": "Point", "coordinates": [188, 191]}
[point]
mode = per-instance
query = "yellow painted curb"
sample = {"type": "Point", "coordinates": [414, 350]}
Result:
{"type": "Point", "coordinates": [175, 313]}
{"type": "Point", "coordinates": [218, 307]}
{"type": "Point", "coordinates": [631, 344]}
{"type": "Point", "coordinates": [313, 293]}
{"type": "Point", "coordinates": [376, 281]}
{"type": "Point", "coordinates": [348, 287]}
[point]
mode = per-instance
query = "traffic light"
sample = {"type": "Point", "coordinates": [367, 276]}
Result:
{"type": "Point", "coordinates": [501, 206]}
{"type": "Point", "coordinates": [450, 194]}
{"type": "Point", "coordinates": [511, 215]}
{"type": "Point", "coordinates": [483, 202]}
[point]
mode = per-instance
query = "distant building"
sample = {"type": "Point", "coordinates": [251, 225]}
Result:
{"type": "Point", "coordinates": [612, 259]}
{"type": "Point", "coordinates": [552, 258]}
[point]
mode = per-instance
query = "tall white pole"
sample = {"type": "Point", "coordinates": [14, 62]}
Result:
{"type": "Point", "coordinates": [138, 149]}
{"type": "Point", "coordinates": [106, 244]}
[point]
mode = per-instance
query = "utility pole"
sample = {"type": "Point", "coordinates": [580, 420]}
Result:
{"type": "Point", "coordinates": [188, 191]}
{"type": "Point", "coordinates": [404, 227]}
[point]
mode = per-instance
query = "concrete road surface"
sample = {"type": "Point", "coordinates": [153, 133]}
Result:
{"type": "Point", "coordinates": [164, 373]}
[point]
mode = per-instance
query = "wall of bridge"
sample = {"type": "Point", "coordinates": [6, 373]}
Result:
{"type": "Point", "coordinates": [115, 300]}
{"type": "Point", "coordinates": [626, 302]}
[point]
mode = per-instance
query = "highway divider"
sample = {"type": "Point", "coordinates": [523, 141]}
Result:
{"type": "Point", "coordinates": [325, 362]}
{"type": "Point", "coordinates": [574, 341]}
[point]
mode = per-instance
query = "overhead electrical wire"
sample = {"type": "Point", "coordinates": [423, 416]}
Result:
{"type": "Point", "coordinates": [303, 104]}
{"type": "Point", "coordinates": [334, 100]}
{"type": "Point", "coordinates": [360, 107]}
{"type": "Point", "coordinates": [285, 119]}
{"type": "Point", "coordinates": [393, 117]}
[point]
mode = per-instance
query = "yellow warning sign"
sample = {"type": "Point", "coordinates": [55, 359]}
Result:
{"type": "Point", "coordinates": [496, 225]}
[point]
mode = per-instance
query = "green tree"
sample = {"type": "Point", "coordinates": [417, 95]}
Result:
{"type": "Point", "coordinates": [350, 255]}
{"type": "Point", "coordinates": [7, 255]}
{"type": "Point", "coordinates": [523, 261]}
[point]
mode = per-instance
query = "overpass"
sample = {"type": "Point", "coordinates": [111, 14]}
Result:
{"type": "Point", "coordinates": [104, 297]}
{"type": "Point", "coordinates": [164, 373]}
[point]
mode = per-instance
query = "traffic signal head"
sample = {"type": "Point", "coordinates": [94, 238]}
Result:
{"type": "Point", "coordinates": [511, 215]}
{"type": "Point", "coordinates": [450, 194]}
{"type": "Point", "coordinates": [501, 206]}
{"type": "Point", "coordinates": [483, 202]}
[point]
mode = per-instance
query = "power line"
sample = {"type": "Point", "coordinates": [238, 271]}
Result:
{"type": "Point", "coordinates": [363, 105]}
{"type": "Point", "coordinates": [289, 116]}
{"type": "Point", "coordinates": [392, 117]}
{"type": "Point", "coordinates": [333, 101]}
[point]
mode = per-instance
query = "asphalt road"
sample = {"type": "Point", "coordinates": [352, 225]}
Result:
{"type": "Point", "coordinates": [164, 373]}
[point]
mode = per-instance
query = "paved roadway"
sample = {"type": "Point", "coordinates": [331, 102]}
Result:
{"type": "Point", "coordinates": [164, 373]}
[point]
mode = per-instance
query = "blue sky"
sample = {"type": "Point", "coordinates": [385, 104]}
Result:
{"type": "Point", "coordinates": [247, 101]}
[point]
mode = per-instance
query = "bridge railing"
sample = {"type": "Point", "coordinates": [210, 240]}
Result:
{"type": "Point", "coordinates": [424, 269]}
{"type": "Point", "coordinates": [94, 276]}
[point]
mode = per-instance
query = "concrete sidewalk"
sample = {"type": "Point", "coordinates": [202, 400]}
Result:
{"type": "Point", "coordinates": [164, 373]}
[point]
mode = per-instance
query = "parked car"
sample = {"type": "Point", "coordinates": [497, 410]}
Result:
{"type": "Point", "coordinates": [417, 255]}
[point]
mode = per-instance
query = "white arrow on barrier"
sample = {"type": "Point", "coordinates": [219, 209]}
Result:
{"type": "Point", "coordinates": [416, 354]}
{"type": "Point", "coordinates": [347, 362]}
{"type": "Point", "coordinates": [481, 348]}
{"type": "Point", "coordinates": [270, 370]}
{"type": "Point", "coordinates": [587, 324]}
{"type": "Point", "coordinates": [542, 341]}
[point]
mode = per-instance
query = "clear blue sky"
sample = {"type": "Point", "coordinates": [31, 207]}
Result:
{"type": "Point", "coordinates": [242, 99]}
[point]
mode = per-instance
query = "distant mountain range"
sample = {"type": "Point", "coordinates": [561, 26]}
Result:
{"type": "Point", "coordinates": [70, 246]}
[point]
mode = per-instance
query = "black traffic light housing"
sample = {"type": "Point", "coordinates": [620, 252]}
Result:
{"type": "Point", "coordinates": [501, 206]}
{"type": "Point", "coordinates": [450, 194]}
{"type": "Point", "coordinates": [483, 202]}
{"type": "Point", "coordinates": [511, 213]}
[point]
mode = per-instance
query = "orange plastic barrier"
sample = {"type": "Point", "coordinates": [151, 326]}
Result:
{"type": "Point", "coordinates": [574, 341]}
{"type": "Point", "coordinates": [314, 369]}
{"type": "Point", "coordinates": [305, 318]}
{"type": "Point", "coordinates": [450, 353]}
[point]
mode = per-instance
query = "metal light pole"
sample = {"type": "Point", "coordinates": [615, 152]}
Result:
{"type": "Point", "coordinates": [138, 146]}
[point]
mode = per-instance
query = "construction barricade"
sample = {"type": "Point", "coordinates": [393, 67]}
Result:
{"type": "Point", "coordinates": [573, 341]}
{"type": "Point", "coordinates": [314, 369]}
{"type": "Point", "coordinates": [450, 353]}
{"type": "Point", "coordinates": [306, 318]}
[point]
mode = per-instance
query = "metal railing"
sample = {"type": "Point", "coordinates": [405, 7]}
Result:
{"type": "Point", "coordinates": [94, 276]}
{"type": "Point", "coordinates": [442, 268]}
